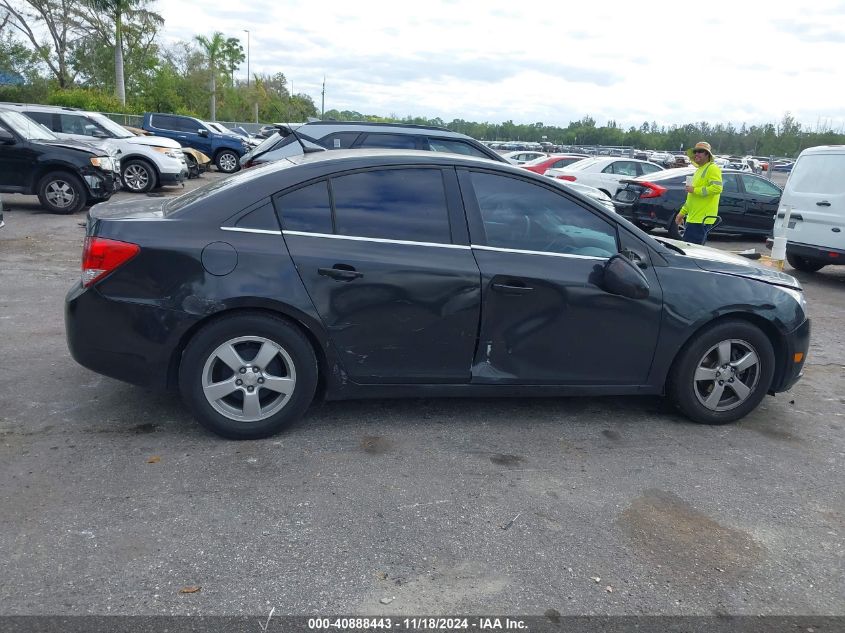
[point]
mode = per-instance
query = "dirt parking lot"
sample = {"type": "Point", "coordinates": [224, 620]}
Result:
{"type": "Point", "coordinates": [114, 499]}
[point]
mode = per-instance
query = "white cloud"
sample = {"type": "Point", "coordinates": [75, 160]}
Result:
{"type": "Point", "coordinates": [503, 60]}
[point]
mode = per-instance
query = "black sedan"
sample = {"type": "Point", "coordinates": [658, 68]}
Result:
{"type": "Point", "coordinates": [747, 205]}
{"type": "Point", "coordinates": [378, 273]}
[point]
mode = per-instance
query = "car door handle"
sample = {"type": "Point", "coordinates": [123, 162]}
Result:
{"type": "Point", "coordinates": [341, 274]}
{"type": "Point", "coordinates": [513, 288]}
{"type": "Point", "coordinates": [823, 203]}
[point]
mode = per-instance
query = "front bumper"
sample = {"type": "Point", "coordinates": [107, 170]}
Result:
{"type": "Point", "coordinates": [796, 342]}
{"type": "Point", "coordinates": [174, 178]}
{"type": "Point", "coordinates": [101, 184]}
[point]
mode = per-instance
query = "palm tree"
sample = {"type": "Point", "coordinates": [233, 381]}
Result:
{"type": "Point", "coordinates": [116, 9]}
{"type": "Point", "coordinates": [213, 48]}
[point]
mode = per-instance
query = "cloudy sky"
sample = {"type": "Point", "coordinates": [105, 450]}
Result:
{"type": "Point", "coordinates": [496, 60]}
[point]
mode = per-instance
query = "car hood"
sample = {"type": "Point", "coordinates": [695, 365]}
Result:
{"type": "Point", "coordinates": [153, 141]}
{"type": "Point", "coordinates": [718, 261]}
{"type": "Point", "coordinates": [77, 145]}
{"type": "Point", "coordinates": [134, 209]}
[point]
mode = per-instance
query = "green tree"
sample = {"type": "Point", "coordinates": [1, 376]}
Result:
{"type": "Point", "coordinates": [231, 57]}
{"type": "Point", "coordinates": [213, 49]}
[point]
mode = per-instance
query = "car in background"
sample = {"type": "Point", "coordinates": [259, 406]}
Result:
{"type": "Point", "coordinates": [196, 161]}
{"type": "Point", "coordinates": [356, 274]}
{"type": "Point", "coordinates": [225, 150]}
{"type": "Point", "coordinates": [555, 161]}
{"type": "Point", "coordinates": [66, 175]}
{"type": "Point", "coordinates": [522, 157]}
{"type": "Point", "coordinates": [333, 135]}
{"type": "Point", "coordinates": [604, 173]}
{"type": "Point", "coordinates": [591, 192]}
{"type": "Point", "coordinates": [747, 205]}
{"type": "Point", "coordinates": [145, 162]}
{"type": "Point", "coordinates": [222, 129]}
{"type": "Point", "coordinates": [665, 159]}
{"type": "Point", "coordinates": [783, 165]}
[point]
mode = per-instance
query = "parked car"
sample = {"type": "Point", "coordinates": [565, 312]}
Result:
{"type": "Point", "coordinates": [747, 204]}
{"type": "Point", "coordinates": [222, 129]}
{"type": "Point", "coordinates": [604, 173]}
{"type": "Point", "coordinates": [522, 157]}
{"type": "Point", "coordinates": [145, 162]}
{"type": "Point", "coordinates": [591, 192]}
{"type": "Point", "coordinates": [555, 161]}
{"type": "Point", "coordinates": [815, 197]}
{"type": "Point", "coordinates": [333, 135]}
{"type": "Point", "coordinates": [65, 175]}
{"type": "Point", "coordinates": [664, 159]}
{"type": "Point", "coordinates": [377, 274]}
{"type": "Point", "coordinates": [196, 161]}
{"type": "Point", "coordinates": [783, 165]}
{"type": "Point", "coordinates": [266, 131]}
{"type": "Point", "coordinates": [224, 149]}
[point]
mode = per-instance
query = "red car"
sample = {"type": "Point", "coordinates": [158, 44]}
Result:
{"type": "Point", "coordinates": [540, 165]}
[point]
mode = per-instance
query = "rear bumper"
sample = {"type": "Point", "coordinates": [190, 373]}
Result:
{"type": "Point", "coordinates": [796, 342]}
{"type": "Point", "coordinates": [816, 253]}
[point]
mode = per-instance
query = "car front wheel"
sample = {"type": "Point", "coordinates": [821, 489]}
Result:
{"type": "Point", "coordinates": [138, 176]}
{"type": "Point", "coordinates": [62, 192]}
{"type": "Point", "coordinates": [248, 376]}
{"type": "Point", "coordinates": [723, 373]}
{"type": "Point", "coordinates": [227, 162]}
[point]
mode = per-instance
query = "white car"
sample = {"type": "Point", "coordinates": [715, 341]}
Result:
{"type": "Point", "coordinates": [604, 173]}
{"type": "Point", "coordinates": [591, 192]}
{"type": "Point", "coordinates": [522, 156]}
{"type": "Point", "coordinates": [145, 161]}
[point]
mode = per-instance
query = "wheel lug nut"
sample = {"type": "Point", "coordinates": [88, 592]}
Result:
{"type": "Point", "coordinates": [260, 381]}
{"type": "Point", "coordinates": [250, 389]}
{"type": "Point", "coordinates": [239, 382]}
{"type": "Point", "coordinates": [721, 382]}
{"type": "Point", "coordinates": [255, 370]}
{"type": "Point", "coordinates": [243, 370]}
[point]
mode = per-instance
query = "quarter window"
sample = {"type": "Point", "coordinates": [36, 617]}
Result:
{"type": "Point", "coordinates": [759, 187]}
{"type": "Point", "coordinates": [396, 204]}
{"type": "Point", "coordinates": [526, 216]}
{"type": "Point", "coordinates": [339, 140]}
{"type": "Point", "coordinates": [455, 147]}
{"type": "Point", "coordinates": [390, 141]}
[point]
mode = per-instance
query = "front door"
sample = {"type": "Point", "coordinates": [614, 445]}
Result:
{"type": "Point", "coordinates": [545, 319]}
{"type": "Point", "coordinates": [17, 162]}
{"type": "Point", "coordinates": [761, 203]}
{"type": "Point", "coordinates": [398, 296]}
{"type": "Point", "coordinates": [731, 202]}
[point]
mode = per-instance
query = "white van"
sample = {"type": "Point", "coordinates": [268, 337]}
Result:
{"type": "Point", "coordinates": [815, 195]}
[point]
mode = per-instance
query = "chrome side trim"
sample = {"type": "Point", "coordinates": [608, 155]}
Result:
{"type": "Point", "coordinates": [238, 229]}
{"type": "Point", "coordinates": [377, 240]}
{"type": "Point", "coordinates": [496, 249]}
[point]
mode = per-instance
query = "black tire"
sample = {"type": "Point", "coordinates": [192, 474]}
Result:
{"type": "Point", "coordinates": [675, 232]}
{"type": "Point", "coordinates": [804, 264]}
{"type": "Point", "coordinates": [138, 176]}
{"type": "Point", "coordinates": [705, 388]}
{"type": "Point", "coordinates": [227, 161]}
{"type": "Point", "coordinates": [62, 192]}
{"type": "Point", "coordinates": [193, 167]}
{"type": "Point", "coordinates": [292, 365]}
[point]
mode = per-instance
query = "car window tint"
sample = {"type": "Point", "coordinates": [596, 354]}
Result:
{"type": "Point", "coordinates": [163, 122]}
{"type": "Point", "coordinates": [391, 141]}
{"type": "Point", "coordinates": [729, 183]}
{"type": "Point", "coordinates": [396, 204]}
{"type": "Point", "coordinates": [526, 216]}
{"type": "Point", "coordinates": [339, 140]}
{"type": "Point", "coordinates": [759, 186]}
{"type": "Point", "coordinates": [455, 147]}
{"type": "Point", "coordinates": [263, 219]}
{"type": "Point", "coordinates": [306, 209]}
{"type": "Point", "coordinates": [44, 118]}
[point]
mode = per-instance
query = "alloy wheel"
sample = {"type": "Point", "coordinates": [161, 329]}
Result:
{"type": "Point", "coordinates": [60, 194]}
{"type": "Point", "coordinates": [727, 375]}
{"type": "Point", "coordinates": [228, 162]}
{"type": "Point", "coordinates": [136, 177]}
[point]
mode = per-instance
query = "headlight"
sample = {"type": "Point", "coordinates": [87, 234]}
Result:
{"type": "Point", "coordinates": [103, 162]}
{"type": "Point", "coordinates": [169, 151]}
{"type": "Point", "coordinates": [798, 296]}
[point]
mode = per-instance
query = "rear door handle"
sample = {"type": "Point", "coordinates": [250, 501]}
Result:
{"type": "Point", "coordinates": [823, 203]}
{"type": "Point", "coordinates": [513, 288]}
{"type": "Point", "coordinates": [341, 274]}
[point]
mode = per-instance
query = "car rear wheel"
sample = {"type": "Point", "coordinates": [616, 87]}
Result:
{"type": "Point", "coordinates": [248, 376]}
{"type": "Point", "coordinates": [804, 264]}
{"type": "Point", "coordinates": [723, 373]}
{"type": "Point", "coordinates": [62, 192]}
{"type": "Point", "coordinates": [138, 176]}
{"type": "Point", "coordinates": [227, 161]}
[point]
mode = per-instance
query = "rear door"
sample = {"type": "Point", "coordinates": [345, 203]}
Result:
{"type": "Point", "coordinates": [815, 192]}
{"type": "Point", "coordinates": [392, 274]}
{"type": "Point", "coordinates": [732, 202]}
{"type": "Point", "coordinates": [761, 202]}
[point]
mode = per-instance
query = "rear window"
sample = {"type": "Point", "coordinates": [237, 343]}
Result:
{"type": "Point", "coordinates": [819, 173]}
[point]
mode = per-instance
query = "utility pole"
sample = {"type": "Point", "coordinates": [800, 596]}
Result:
{"type": "Point", "coordinates": [247, 57]}
{"type": "Point", "coordinates": [323, 100]}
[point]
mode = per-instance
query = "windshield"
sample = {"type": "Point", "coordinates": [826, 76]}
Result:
{"type": "Point", "coordinates": [116, 130]}
{"type": "Point", "coordinates": [27, 128]}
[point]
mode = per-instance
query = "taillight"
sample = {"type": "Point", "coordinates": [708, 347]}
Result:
{"type": "Point", "coordinates": [651, 190]}
{"type": "Point", "coordinates": [101, 256]}
{"type": "Point", "coordinates": [569, 178]}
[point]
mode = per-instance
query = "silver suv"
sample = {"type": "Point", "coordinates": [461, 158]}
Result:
{"type": "Point", "coordinates": [145, 161]}
{"type": "Point", "coordinates": [329, 135]}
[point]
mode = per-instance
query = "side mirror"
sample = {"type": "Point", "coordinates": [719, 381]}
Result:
{"type": "Point", "coordinates": [622, 277]}
{"type": "Point", "coordinates": [203, 132]}
{"type": "Point", "coordinates": [6, 138]}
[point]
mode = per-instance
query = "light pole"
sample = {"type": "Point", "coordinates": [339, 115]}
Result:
{"type": "Point", "coordinates": [247, 57]}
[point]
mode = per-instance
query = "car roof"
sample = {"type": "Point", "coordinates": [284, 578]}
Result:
{"type": "Point", "coordinates": [355, 125]}
{"type": "Point", "coordinates": [39, 107]}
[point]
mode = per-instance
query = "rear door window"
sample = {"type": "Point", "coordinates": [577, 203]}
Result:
{"type": "Point", "coordinates": [729, 183]}
{"type": "Point", "coordinates": [44, 118]}
{"type": "Point", "coordinates": [390, 141]}
{"type": "Point", "coordinates": [339, 140]}
{"type": "Point", "coordinates": [307, 209]}
{"type": "Point", "coordinates": [395, 204]}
